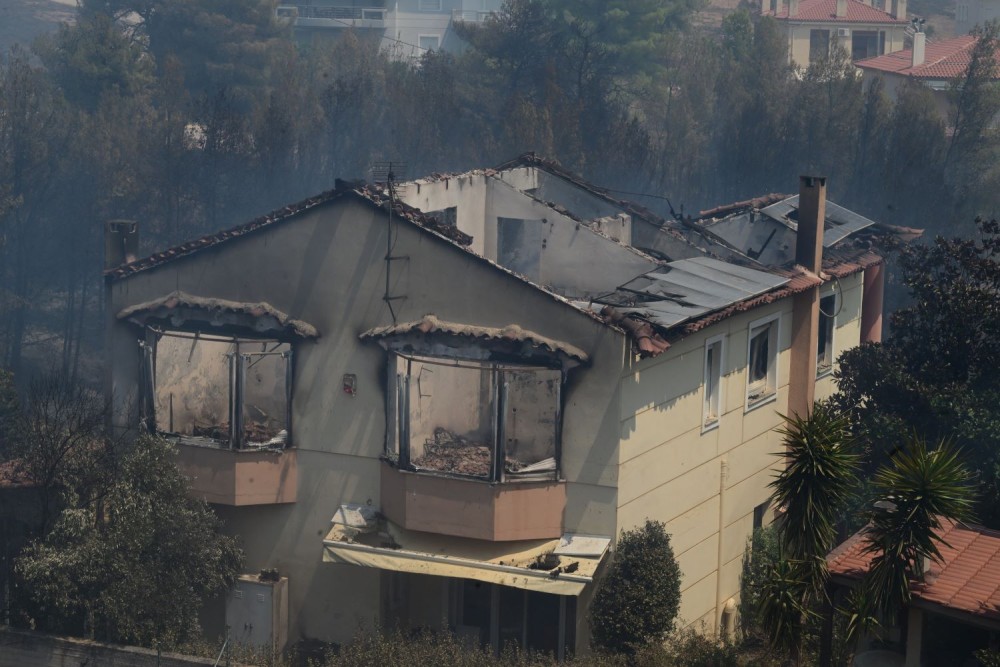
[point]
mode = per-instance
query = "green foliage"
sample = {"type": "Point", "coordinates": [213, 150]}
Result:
{"type": "Point", "coordinates": [783, 608]}
{"type": "Point", "coordinates": [637, 600]}
{"type": "Point", "coordinates": [933, 376]}
{"type": "Point", "coordinates": [760, 557]}
{"type": "Point", "coordinates": [814, 487]}
{"type": "Point", "coordinates": [135, 566]}
{"type": "Point", "coordinates": [918, 489]}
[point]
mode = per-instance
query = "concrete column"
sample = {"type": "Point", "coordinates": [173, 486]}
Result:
{"type": "Point", "coordinates": [805, 305]}
{"type": "Point", "coordinates": [871, 304]}
{"type": "Point", "coordinates": [914, 636]}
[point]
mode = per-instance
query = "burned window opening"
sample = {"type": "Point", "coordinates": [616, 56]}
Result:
{"type": "Point", "coordinates": [486, 420]}
{"type": "Point", "coordinates": [824, 347]}
{"type": "Point", "coordinates": [212, 390]}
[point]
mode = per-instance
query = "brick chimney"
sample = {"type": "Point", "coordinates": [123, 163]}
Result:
{"type": "Point", "coordinates": [919, 49]}
{"type": "Point", "coordinates": [841, 9]}
{"type": "Point", "coordinates": [899, 10]}
{"type": "Point", "coordinates": [121, 242]}
{"type": "Point", "coordinates": [805, 305]}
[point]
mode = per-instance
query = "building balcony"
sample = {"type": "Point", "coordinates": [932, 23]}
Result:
{"type": "Point", "coordinates": [238, 476]}
{"type": "Point", "coordinates": [470, 15]}
{"type": "Point", "coordinates": [473, 508]}
{"type": "Point", "coordinates": [324, 16]}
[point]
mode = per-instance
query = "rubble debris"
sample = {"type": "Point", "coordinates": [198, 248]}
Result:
{"type": "Point", "coordinates": [448, 452]}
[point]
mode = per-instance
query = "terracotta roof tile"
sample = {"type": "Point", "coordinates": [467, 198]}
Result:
{"type": "Point", "coordinates": [966, 580]}
{"type": "Point", "coordinates": [946, 59]}
{"type": "Point", "coordinates": [826, 11]}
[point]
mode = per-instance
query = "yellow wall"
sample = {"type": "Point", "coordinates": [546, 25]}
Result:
{"type": "Point", "coordinates": [798, 37]}
{"type": "Point", "coordinates": [706, 484]}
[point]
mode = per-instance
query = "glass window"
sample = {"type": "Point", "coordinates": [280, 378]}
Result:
{"type": "Point", "coordinates": [212, 389]}
{"type": "Point", "coordinates": [819, 44]}
{"type": "Point", "coordinates": [824, 351]}
{"type": "Point", "coordinates": [478, 419]}
{"type": "Point", "coordinates": [429, 5]}
{"type": "Point", "coordinates": [429, 42]}
{"type": "Point", "coordinates": [713, 382]}
{"type": "Point", "coordinates": [762, 353]}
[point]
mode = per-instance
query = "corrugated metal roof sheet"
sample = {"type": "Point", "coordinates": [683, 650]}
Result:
{"type": "Point", "coordinates": [967, 579]}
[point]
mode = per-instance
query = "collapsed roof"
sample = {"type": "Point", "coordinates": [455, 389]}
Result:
{"type": "Point", "coordinates": [687, 272]}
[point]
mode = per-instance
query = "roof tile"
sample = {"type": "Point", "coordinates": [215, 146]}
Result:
{"type": "Point", "coordinates": [946, 59]}
{"type": "Point", "coordinates": [826, 10]}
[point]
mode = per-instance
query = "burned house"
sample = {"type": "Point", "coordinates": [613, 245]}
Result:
{"type": "Point", "coordinates": [438, 403]}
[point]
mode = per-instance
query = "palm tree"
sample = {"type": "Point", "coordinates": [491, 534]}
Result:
{"type": "Point", "coordinates": [919, 488]}
{"type": "Point", "coordinates": [815, 487]}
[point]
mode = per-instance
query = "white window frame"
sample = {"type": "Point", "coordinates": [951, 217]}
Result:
{"type": "Point", "coordinates": [424, 49]}
{"type": "Point", "coordinates": [771, 324]}
{"type": "Point", "coordinates": [429, 5]}
{"type": "Point", "coordinates": [827, 369]}
{"type": "Point", "coordinates": [711, 421]}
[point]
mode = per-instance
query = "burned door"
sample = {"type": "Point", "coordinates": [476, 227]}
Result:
{"type": "Point", "coordinates": [519, 246]}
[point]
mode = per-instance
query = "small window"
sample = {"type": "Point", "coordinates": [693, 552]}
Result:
{"type": "Point", "coordinates": [759, 513]}
{"type": "Point", "coordinates": [824, 351]}
{"type": "Point", "coordinates": [491, 421]}
{"type": "Point", "coordinates": [429, 42]}
{"type": "Point", "coordinates": [762, 357]}
{"type": "Point", "coordinates": [429, 5]}
{"type": "Point", "coordinates": [214, 390]}
{"type": "Point", "coordinates": [713, 383]}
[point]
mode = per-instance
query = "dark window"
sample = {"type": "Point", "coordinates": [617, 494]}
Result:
{"type": "Point", "coordinates": [865, 44]}
{"type": "Point", "coordinates": [819, 44]}
{"type": "Point", "coordinates": [824, 349]}
{"type": "Point", "coordinates": [758, 514]}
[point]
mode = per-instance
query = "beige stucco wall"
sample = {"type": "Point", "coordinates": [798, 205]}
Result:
{"type": "Point", "coordinates": [706, 484]}
{"type": "Point", "coordinates": [326, 267]}
{"type": "Point", "coordinates": [798, 37]}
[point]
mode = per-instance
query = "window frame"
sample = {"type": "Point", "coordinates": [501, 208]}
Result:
{"type": "Point", "coordinates": [772, 325]}
{"type": "Point", "coordinates": [708, 421]}
{"type": "Point", "coordinates": [397, 444]}
{"type": "Point", "coordinates": [235, 385]}
{"type": "Point", "coordinates": [825, 369]}
{"type": "Point", "coordinates": [424, 49]}
{"type": "Point", "coordinates": [430, 5]}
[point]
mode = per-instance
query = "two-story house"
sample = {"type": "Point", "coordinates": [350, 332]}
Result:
{"type": "Point", "coordinates": [814, 27]}
{"type": "Point", "coordinates": [436, 404]}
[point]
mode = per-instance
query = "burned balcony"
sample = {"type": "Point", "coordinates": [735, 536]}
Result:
{"type": "Point", "coordinates": [474, 430]}
{"type": "Point", "coordinates": [217, 381]}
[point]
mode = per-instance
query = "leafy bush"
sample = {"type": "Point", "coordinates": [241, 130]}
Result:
{"type": "Point", "coordinates": [637, 601]}
{"type": "Point", "coordinates": [762, 552]}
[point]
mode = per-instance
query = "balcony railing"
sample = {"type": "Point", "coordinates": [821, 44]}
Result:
{"type": "Point", "coordinates": [470, 15]}
{"type": "Point", "coordinates": [332, 15]}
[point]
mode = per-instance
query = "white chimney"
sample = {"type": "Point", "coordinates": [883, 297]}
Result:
{"type": "Point", "coordinates": [793, 8]}
{"type": "Point", "coordinates": [919, 49]}
{"type": "Point", "coordinates": [899, 10]}
{"type": "Point", "coordinates": [841, 9]}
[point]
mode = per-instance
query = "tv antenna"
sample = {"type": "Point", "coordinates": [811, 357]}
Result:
{"type": "Point", "coordinates": [388, 173]}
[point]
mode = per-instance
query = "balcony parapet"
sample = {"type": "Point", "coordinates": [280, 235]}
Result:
{"type": "Point", "coordinates": [239, 477]}
{"type": "Point", "coordinates": [473, 508]}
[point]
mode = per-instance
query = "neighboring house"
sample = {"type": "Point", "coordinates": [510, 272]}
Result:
{"type": "Point", "coordinates": [957, 600]}
{"type": "Point", "coordinates": [815, 26]}
{"type": "Point", "coordinates": [970, 13]}
{"type": "Point", "coordinates": [406, 28]}
{"type": "Point", "coordinates": [481, 379]}
{"type": "Point", "coordinates": [934, 64]}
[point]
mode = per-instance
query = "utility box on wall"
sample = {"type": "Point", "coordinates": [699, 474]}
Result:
{"type": "Point", "coordinates": [257, 612]}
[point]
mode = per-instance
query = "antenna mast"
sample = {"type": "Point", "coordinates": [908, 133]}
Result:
{"type": "Point", "coordinates": [388, 173]}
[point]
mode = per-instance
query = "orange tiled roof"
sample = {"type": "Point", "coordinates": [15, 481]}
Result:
{"type": "Point", "coordinates": [966, 580]}
{"type": "Point", "coordinates": [826, 11]}
{"type": "Point", "coordinates": [946, 59]}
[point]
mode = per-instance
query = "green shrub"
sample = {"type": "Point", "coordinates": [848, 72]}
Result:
{"type": "Point", "coordinates": [637, 600]}
{"type": "Point", "coordinates": [762, 552]}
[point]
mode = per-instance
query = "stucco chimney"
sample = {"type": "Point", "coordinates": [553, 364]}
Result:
{"type": "Point", "coordinates": [793, 8]}
{"type": "Point", "coordinates": [899, 10]}
{"type": "Point", "coordinates": [919, 49]}
{"type": "Point", "coordinates": [841, 9]}
{"type": "Point", "coordinates": [121, 243]}
{"type": "Point", "coordinates": [805, 304]}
